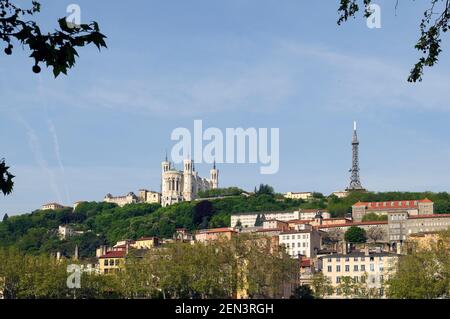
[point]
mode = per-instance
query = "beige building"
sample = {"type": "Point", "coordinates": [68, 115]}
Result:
{"type": "Point", "coordinates": [145, 243]}
{"type": "Point", "coordinates": [422, 241]}
{"type": "Point", "coordinates": [299, 195]}
{"type": "Point", "coordinates": [52, 206]}
{"type": "Point", "coordinates": [178, 186]}
{"type": "Point", "coordinates": [112, 261]}
{"type": "Point", "coordinates": [371, 269]}
{"type": "Point", "coordinates": [150, 197]}
{"type": "Point", "coordinates": [206, 235]}
{"type": "Point", "coordinates": [304, 242]}
{"type": "Point", "coordinates": [412, 207]}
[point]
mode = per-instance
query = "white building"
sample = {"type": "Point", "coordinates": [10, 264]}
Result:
{"type": "Point", "coordinates": [121, 201]}
{"type": "Point", "coordinates": [340, 194]}
{"type": "Point", "coordinates": [179, 186]}
{"type": "Point", "coordinates": [304, 242]}
{"type": "Point", "coordinates": [52, 206]}
{"type": "Point", "coordinates": [249, 219]}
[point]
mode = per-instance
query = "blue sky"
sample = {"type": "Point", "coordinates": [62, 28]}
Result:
{"type": "Point", "coordinates": [248, 63]}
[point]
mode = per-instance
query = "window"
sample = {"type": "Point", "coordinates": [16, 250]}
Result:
{"type": "Point", "coordinates": [347, 268]}
{"type": "Point", "coordinates": [372, 267]}
{"type": "Point", "coordinates": [106, 262]}
{"type": "Point", "coordinates": [338, 260]}
{"type": "Point", "coordinates": [338, 268]}
{"type": "Point", "coordinates": [338, 280]}
{"type": "Point", "coordinates": [111, 262]}
{"type": "Point", "coordinates": [330, 269]}
{"type": "Point", "coordinates": [329, 260]}
{"type": "Point", "coordinates": [347, 258]}
{"type": "Point", "coordinates": [355, 268]}
{"type": "Point", "coordinates": [117, 262]}
{"type": "Point", "coordinates": [356, 279]}
{"type": "Point", "coordinates": [355, 259]}
{"type": "Point", "coordinates": [363, 267]}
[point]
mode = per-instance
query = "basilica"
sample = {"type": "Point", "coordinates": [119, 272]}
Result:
{"type": "Point", "coordinates": [178, 186]}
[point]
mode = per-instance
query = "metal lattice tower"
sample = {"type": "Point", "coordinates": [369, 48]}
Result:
{"type": "Point", "coordinates": [355, 182]}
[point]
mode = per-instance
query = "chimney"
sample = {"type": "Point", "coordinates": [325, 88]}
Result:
{"type": "Point", "coordinates": [366, 251]}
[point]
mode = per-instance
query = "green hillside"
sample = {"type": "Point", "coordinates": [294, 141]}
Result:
{"type": "Point", "coordinates": [104, 223]}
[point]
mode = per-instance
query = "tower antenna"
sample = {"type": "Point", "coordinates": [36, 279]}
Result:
{"type": "Point", "coordinates": [355, 182]}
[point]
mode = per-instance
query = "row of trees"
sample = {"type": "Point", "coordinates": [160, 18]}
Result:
{"type": "Point", "coordinates": [245, 266]}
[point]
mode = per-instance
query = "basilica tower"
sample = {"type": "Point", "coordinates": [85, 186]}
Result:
{"type": "Point", "coordinates": [214, 177]}
{"type": "Point", "coordinates": [188, 179]}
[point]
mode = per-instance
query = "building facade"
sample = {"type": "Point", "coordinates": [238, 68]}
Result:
{"type": "Point", "coordinates": [249, 219]}
{"type": "Point", "coordinates": [178, 186]}
{"type": "Point", "coordinates": [402, 225]}
{"type": "Point", "coordinates": [205, 235]}
{"type": "Point", "coordinates": [121, 201]}
{"type": "Point", "coordinates": [52, 206]}
{"type": "Point", "coordinates": [305, 242]}
{"type": "Point", "coordinates": [150, 197]}
{"type": "Point", "coordinates": [412, 207]}
{"type": "Point", "coordinates": [371, 269]}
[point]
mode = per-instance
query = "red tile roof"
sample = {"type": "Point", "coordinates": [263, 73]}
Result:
{"type": "Point", "coordinates": [430, 216]}
{"type": "Point", "coordinates": [264, 230]}
{"type": "Point", "coordinates": [216, 230]}
{"type": "Point", "coordinates": [305, 263]}
{"type": "Point", "coordinates": [146, 238]}
{"type": "Point", "coordinates": [114, 254]}
{"type": "Point", "coordinates": [354, 224]}
{"type": "Point", "coordinates": [388, 205]}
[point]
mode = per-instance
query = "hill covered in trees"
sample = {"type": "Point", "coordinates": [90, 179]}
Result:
{"type": "Point", "coordinates": [105, 223]}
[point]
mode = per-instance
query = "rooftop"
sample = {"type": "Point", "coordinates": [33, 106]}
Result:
{"type": "Point", "coordinates": [401, 204]}
{"type": "Point", "coordinates": [216, 230]}
{"type": "Point", "coordinates": [361, 254]}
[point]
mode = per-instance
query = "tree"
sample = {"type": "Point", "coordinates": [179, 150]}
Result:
{"type": "Point", "coordinates": [321, 286]}
{"type": "Point", "coordinates": [303, 292]}
{"type": "Point", "coordinates": [375, 234]}
{"type": "Point", "coordinates": [6, 179]}
{"type": "Point", "coordinates": [372, 217]}
{"type": "Point", "coordinates": [5, 218]}
{"type": "Point", "coordinates": [265, 190]}
{"type": "Point", "coordinates": [435, 22]}
{"type": "Point", "coordinates": [54, 49]}
{"type": "Point", "coordinates": [259, 221]}
{"type": "Point", "coordinates": [423, 274]}
{"type": "Point", "coordinates": [355, 235]}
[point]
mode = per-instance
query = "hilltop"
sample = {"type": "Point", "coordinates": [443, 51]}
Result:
{"type": "Point", "coordinates": [105, 223]}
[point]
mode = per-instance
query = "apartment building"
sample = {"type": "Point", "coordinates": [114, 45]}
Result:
{"type": "Point", "coordinates": [372, 269]}
{"type": "Point", "coordinates": [304, 242]}
{"type": "Point", "coordinates": [206, 235]}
